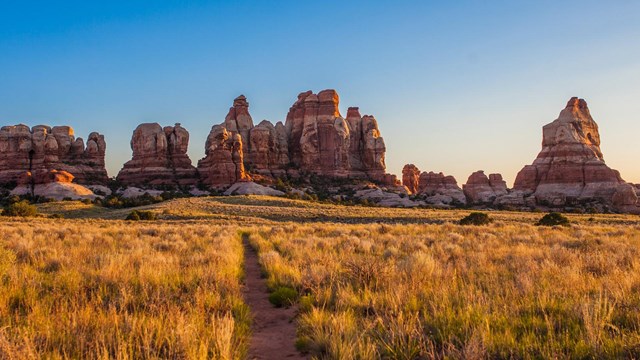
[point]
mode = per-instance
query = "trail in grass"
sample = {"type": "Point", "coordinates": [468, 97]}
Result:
{"type": "Point", "coordinates": [274, 329]}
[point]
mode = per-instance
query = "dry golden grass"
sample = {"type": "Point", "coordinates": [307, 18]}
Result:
{"type": "Point", "coordinates": [375, 282]}
{"type": "Point", "coordinates": [119, 290]}
{"type": "Point", "coordinates": [450, 291]}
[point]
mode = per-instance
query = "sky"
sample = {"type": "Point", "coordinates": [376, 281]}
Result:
{"type": "Point", "coordinates": [456, 86]}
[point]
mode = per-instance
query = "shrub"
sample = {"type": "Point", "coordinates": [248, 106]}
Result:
{"type": "Point", "coordinates": [553, 219]}
{"type": "Point", "coordinates": [283, 296]}
{"type": "Point", "coordinates": [21, 208]}
{"type": "Point", "coordinates": [136, 215]}
{"type": "Point", "coordinates": [476, 218]}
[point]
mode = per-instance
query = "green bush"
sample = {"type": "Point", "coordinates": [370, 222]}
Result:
{"type": "Point", "coordinates": [283, 296]}
{"type": "Point", "coordinates": [136, 215]}
{"type": "Point", "coordinates": [21, 208]}
{"type": "Point", "coordinates": [476, 218]}
{"type": "Point", "coordinates": [133, 216]}
{"type": "Point", "coordinates": [553, 219]}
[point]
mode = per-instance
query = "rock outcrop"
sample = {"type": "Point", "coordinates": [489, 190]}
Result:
{"type": "Point", "coordinates": [570, 170]}
{"type": "Point", "coordinates": [239, 121]}
{"type": "Point", "coordinates": [268, 149]}
{"type": "Point", "coordinates": [315, 139]}
{"type": "Point", "coordinates": [440, 189]}
{"type": "Point", "coordinates": [322, 142]}
{"type": "Point", "coordinates": [411, 178]}
{"type": "Point", "coordinates": [52, 184]}
{"type": "Point", "coordinates": [224, 160]}
{"type": "Point", "coordinates": [43, 148]}
{"type": "Point", "coordinates": [483, 190]}
{"type": "Point", "coordinates": [159, 157]}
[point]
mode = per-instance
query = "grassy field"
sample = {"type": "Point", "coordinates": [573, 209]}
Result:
{"type": "Point", "coordinates": [372, 282]}
{"type": "Point", "coordinates": [111, 289]}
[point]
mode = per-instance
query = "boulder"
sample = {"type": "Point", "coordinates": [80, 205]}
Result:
{"type": "Point", "coordinates": [483, 190]}
{"type": "Point", "coordinates": [159, 157]}
{"type": "Point", "coordinates": [43, 148]}
{"type": "Point", "coordinates": [52, 184]}
{"type": "Point", "coordinates": [251, 188]}
{"type": "Point", "coordinates": [570, 169]}
{"type": "Point", "coordinates": [440, 189]}
{"type": "Point", "coordinates": [387, 199]}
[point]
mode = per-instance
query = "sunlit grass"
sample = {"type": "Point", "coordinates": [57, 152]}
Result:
{"type": "Point", "coordinates": [497, 291]}
{"type": "Point", "coordinates": [102, 290]}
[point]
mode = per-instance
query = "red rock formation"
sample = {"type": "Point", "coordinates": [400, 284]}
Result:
{"type": "Point", "coordinates": [43, 148]}
{"type": "Point", "coordinates": [239, 121]}
{"type": "Point", "coordinates": [321, 141]}
{"type": "Point", "coordinates": [159, 157]}
{"type": "Point", "coordinates": [411, 178]}
{"type": "Point", "coordinates": [268, 149]}
{"type": "Point", "coordinates": [224, 160]}
{"type": "Point", "coordinates": [570, 168]}
{"type": "Point", "coordinates": [440, 189]}
{"type": "Point", "coordinates": [481, 189]}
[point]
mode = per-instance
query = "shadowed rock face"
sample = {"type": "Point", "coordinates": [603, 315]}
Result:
{"type": "Point", "coordinates": [43, 148]}
{"type": "Point", "coordinates": [570, 168]}
{"type": "Point", "coordinates": [159, 157]}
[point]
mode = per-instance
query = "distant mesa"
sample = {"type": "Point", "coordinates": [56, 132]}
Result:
{"type": "Point", "coordinates": [43, 148]}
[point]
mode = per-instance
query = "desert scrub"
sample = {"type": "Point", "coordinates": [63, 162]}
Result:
{"type": "Point", "coordinates": [21, 208]}
{"type": "Point", "coordinates": [115, 289]}
{"type": "Point", "coordinates": [553, 219]}
{"type": "Point", "coordinates": [451, 291]}
{"type": "Point", "coordinates": [476, 218]}
{"type": "Point", "coordinates": [136, 215]}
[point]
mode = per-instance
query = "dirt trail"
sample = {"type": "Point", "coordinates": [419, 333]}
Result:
{"type": "Point", "coordinates": [274, 329]}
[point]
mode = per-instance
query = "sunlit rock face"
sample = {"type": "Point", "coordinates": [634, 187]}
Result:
{"type": "Point", "coordinates": [411, 178]}
{"type": "Point", "coordinates": [323, 142]}
{"type": "Point", "coordinates": [315, 139]}
{"type": "Point", "coordinates": [224, 160]}
{"type": "Point", "coordinates": [570, 169]}
{"type": "Point", "coordinates": [483, 190]}
{"type": "Point", "coordinates": [159, 157]}
{"type": "Point", "coordinates": [43, 148]}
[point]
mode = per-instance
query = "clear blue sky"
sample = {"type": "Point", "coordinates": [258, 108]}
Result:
{"type": "Point", "coordinates": [455, 86]}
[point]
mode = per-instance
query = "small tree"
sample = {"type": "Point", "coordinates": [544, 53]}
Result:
{"type": "Point", "coordinates": [476, 218]}
{"type": "Point", "coordinates": [21, 208]}
{"type": "Point", "coordinates": [553, 219]}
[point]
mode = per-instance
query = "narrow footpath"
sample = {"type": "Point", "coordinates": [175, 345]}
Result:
{"type": "Point", "coordinates": [274, 329]}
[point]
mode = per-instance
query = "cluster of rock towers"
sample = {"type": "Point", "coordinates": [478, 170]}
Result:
{"type": "Point", "coordinates": [316, 139]}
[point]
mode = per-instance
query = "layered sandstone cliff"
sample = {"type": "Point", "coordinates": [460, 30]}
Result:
{"type": "Point", "coordinates": [159, 157]}
{"type": "Point", "coordinates": [43, 148]}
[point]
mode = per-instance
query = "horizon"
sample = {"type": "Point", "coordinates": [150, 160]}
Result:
{"type": "Point", "coordinates": [450, 96]}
